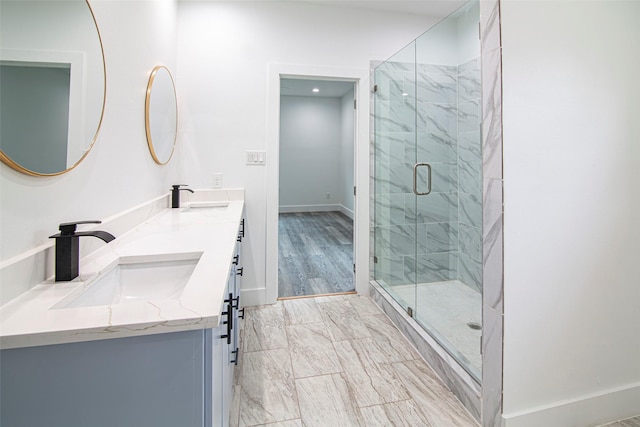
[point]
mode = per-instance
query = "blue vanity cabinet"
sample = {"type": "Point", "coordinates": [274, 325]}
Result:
{"type": "Point", "coordinates": [152, 380]}
{"type": "Point", "coordinates": [219, 366]}
{"type": "Point", "coordinates": [170, 379]}
{"type": "Point", "coordinates": [162, 380]}
{"type": "Point", "coordinates": [222, 346]}
{"type": "Point", "coordinates": [235, 280]}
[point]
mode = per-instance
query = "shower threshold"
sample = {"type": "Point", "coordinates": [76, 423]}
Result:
{"type": "Point", "coordinates": [446, 309]}
{"type": "Point", "coordinates": [451, 313]}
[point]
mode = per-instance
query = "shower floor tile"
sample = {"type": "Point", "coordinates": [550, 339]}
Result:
{"type": "Point", "coordinates": [446, 309]}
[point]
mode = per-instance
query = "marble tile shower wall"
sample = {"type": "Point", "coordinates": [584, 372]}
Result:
{"type": "Point", "coordinates": [417, 239]}
{"type": "Point", "coordinates": [469, 175]}
{"type": "Point", "coordinates": [394, 128]}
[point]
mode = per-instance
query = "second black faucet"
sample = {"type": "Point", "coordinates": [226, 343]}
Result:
{"type": "Point", "coordinates": [175, 194]}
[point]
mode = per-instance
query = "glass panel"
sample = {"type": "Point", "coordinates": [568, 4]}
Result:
{"type": "Point", "coordinates": [395, 155]}
{"type": "Point", "coordinates": [449, 219]}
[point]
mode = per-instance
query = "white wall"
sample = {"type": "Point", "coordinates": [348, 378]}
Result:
{"type": "Point", "coordinates": [438, 46]}
{"type": "Point", "coordinates": [316, 153]}
{"type": "Point", "coordinates": [571, 176]}
{"type": "Point", "coordinates": [309, 152]}
{"type": "Point", "coordinates": [450, 42]}
{"type": "Point", "coordinates": [468, 34]}
{"type": "Point", "coordinates": [119, 172]}
{"type": "Point", "coordinates": [346, 160]}
{"type": "Point", "coordinates": [225, 50]}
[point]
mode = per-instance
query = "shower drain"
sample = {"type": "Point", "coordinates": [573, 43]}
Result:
{"type": "Point", "coordinates": [475, 326]}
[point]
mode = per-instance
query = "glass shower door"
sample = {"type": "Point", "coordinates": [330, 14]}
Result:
{"type": "Point", "coordinates": [449, 218]}
{"type": "Point", "coordinates": [427, 183]}
{"type": "Point", "coordinates": [395, 157]}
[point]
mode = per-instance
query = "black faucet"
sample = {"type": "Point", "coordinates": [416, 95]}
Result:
{"type": "Point", "coordinates": [68, 248]}
{"type": "Point", "coordinates": [175, 194]}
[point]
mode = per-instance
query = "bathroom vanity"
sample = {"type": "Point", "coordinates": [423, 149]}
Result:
{"type": "Point", "coordinates": [146, 336]}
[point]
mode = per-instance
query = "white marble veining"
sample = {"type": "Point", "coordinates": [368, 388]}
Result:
{"type": "Point", "coordinates": [368, 373]}
{"type": "Point", "coordinates": [492, 114]}
{"type": "Point", "coordinates": [404, 413]}
{"type": "Point", "coordinates": [268, 391]}
{"type": "Point", "coordinates": [492, 243]}
{"type": "Point", "coordinates": [264, 329]}
{"type": "Point", "coordinates": [312, 351]}
{"type": "Point", "coordinates": [490, 37]}
{"type": "Point", "coordinates": [325, 401]}
{"type": "Point", "coordinates": [428, 391]}
{"type": "Point", "coordinates": [343, 323]}
{"type": "Point", "coordinates": [492, 218]}
{"type": "Point", "coordinates": [29, 320]}
{"type": "Point", "coordinates": [301, 310]}
{"type": "Point", "coordinates": [492, 366]}
{"type": "Point", "coordinates": [388, 341]}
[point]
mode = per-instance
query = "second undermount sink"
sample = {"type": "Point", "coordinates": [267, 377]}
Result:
{"type": "Point", "coordinates": [135, 279]}
{"type": "Point", "coordinates": [204, 206]}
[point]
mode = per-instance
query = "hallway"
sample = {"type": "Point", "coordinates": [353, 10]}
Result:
{"type": "Point", "coordinates": [335, 361]}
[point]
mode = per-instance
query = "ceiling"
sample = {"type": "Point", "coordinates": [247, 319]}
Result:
{"type": "Point", "coordinates": [304, 87]}
{"type": "Point", "coordinates": [336, 89]}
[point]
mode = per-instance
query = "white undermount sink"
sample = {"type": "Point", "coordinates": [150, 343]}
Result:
{"type": "Point", "coordinates": [135, 279]}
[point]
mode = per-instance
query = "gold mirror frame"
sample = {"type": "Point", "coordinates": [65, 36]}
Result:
{"type": "Point", "coordinates": [147, 107]}
{"type": "Point", "coordinates": [16, 166]}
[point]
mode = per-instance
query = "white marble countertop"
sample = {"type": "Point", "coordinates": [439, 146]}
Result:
{"type": "Point", "coordinates": [30, 319]}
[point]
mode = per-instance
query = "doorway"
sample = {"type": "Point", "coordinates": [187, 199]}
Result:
{"type": "Point", "coordinates": [316, 187]}
{"type": "Point", "coordinates": [269, 293]}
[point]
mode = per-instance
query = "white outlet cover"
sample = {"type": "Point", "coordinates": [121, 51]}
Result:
{"type": "Point", "coordinates": [217, 180]}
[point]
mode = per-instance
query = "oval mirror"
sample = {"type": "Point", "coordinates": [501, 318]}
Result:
{"type": "Point", "coordinates": [161, 114]}
{"type": "Point", "coordinates": [52, 80]}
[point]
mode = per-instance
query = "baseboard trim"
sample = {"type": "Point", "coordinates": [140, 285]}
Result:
{"type": "Point", "coordinates": [317, 208]}
{"type": "Point", "coordinates": [588, 411]}
{"type": "Point", "coordinates": [251, 297]}
{"type": "Point", "coordinates": [348, 212]}
{"type": "Point", "coordinates": [308, 208]}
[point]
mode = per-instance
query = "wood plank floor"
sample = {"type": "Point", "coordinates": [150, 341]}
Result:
{"type": "Point", "coordinates": [315, 253]}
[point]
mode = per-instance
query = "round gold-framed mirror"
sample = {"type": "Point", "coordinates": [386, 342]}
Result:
{"type": "Point", "coordinates": [161, 115]}
{"type": "Point", "coordinates": [53, 84]}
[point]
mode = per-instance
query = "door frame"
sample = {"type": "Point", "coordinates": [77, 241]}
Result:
{"type": "Point", "coordinates": [361, 168]}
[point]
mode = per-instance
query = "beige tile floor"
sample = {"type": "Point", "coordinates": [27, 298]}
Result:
{"type": "Point", "coordinates": [335, 361]}
{"type": "Point", "coordinates": [631, 422]}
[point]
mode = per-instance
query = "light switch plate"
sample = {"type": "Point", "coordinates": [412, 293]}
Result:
{"type": "Point", "coordinates": [258, 158]}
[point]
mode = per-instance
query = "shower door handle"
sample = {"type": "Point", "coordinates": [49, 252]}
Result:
{"type": "Point", "coordinates": [415, 179]}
